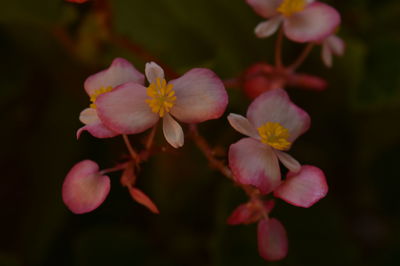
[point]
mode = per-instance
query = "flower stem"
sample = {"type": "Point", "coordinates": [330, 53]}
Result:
{"type": "Point", "coordinates": [150, 138]}
{"type": "Point", "coordinates": [278, 50]}
{"type": "Point", "coordinates": [132, 152]}
{"type": "Point", "coordinates": [119, 167]}
{"type": "Point", "coordinates": [297, 63]}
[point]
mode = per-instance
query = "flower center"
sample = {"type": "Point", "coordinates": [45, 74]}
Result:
{"type": "Point", "coordinates": [274, 135]}
{"type": "Point", "coordinates": [162, 97]}
{"type": "Point", "coordinates": [97, 93]}
{"type": "Point", "coordinates": [288, 7]}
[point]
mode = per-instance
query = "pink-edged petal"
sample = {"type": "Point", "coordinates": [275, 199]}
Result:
{"type": "Point", "coordinates": [153, 71]}
{"type": "Point", "coordinates": [267, 28]}
{"type": "Point", "coordinates": [315, 22]}
{"type": "Point", "coordinates": [265, 8]}
{"type": "Point", "coordinates": [173, 131]}
{"type": "Point", "coordinates": [275, 106]}
{"type": "Point", "coordinates": [84, 187]}
{"type": "Point", "coordinates": [326, 54]}
{"type": "Point", "coordinates": [272, 240]}
{"type": "Point", "coordinates": [304, 188]}
{"type": "Point", "coordinates": [288, 161]}
{"type": "Point", "coordinates": [125, 110]}
{"type": "Point", "coordinates": [254, 163]}
{"type": "Point", "coordinates": [94, 125]}
{"type": "Point", "coordinates": [119, 72]}
{"type": "Point", "coordinates": [243, 125]}
{"type": "Point", "coordinates": [200, 96]}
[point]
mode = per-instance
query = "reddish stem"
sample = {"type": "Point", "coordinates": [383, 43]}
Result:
{"type": "Point", "coordinates": [278, 50]}
{"type": "Point", "coordinates": [304, 54]}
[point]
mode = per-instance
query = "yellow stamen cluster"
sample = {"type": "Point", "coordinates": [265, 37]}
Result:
{"type": "Point", "coordinates": [162, 97]}
{"type": "Point", "coordinates": [274, 135]}
{"type": "Point", "coordinates": [289, 7]}
{"type": "Point", "coordinates": [97, 93]}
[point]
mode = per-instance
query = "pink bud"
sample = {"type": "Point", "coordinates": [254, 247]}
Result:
{"type": "Point", "coordinates": [272, 240]}
{"type": "Point", "coordinates": [306, 81]}
{"type": "Point", "coordinates": [84, 187]}
{"type": "Point", "coordinates": [244, 214]}
{"type": "Point", "coordinates": [259, 78]}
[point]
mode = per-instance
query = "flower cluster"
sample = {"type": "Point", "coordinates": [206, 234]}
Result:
{"type": "Point", "coordinates": [123, 101]}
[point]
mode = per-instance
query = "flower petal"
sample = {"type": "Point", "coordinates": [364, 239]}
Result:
{"type": "Point", "coordinates": [125, 110]}
{"type": "Point", "coordinates": [200, 96]}
{"type": "Point", "coordinates": [143, 199]}
{"type": "Point", "coordinates": [267, 28]}
{"type": "Point", "coordinates": [265, 8]}
{"type": "Point", "coordinates": [315, 22]}
{"type": "Point", "coordinates": [288, 161]}
{"type": "Point", "coordinates": [153, 71]}
{"type": "Point", "coordinates": [304, 188]}
{"type": "Point", "coordinates": [326, 54]}
{"type": "Point", "coordinates": [172, 131]}
{"type": "Point", "coordinates": [254, 163]}
{"type": "Point", "coordinates": [243, 125]}
{"type": "Point", "coordinates": [119, 72]}
{"type": "Point", "coordinates": [84, 187]}
{"type": "Point", "coordinates": [272, 240]}
{"type": "Point", "coordinates": [94, 125]}
{"type": "Point", "coordinates": [336, 44]}
{"type": "Point", "coordinates": [275, 106]}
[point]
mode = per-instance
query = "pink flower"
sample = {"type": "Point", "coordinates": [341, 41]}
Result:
{"type": "Point", "coordinates": [85, 187]}
{"type": "Point", "coordinates": [272, 239]}
{"type": "Point", "coordinates": [303, 20]}
{"type": "Point", "coordinates": [331, 45]}
{"type": "Point", "coordinates": [119, 72]}
{"type": "Point", "coordinates": [197, 96]}
{"type": "Point", "coordinates": [273, 123]}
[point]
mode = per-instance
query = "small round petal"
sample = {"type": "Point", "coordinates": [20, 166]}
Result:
{"type": "Point", "coordinates": [267, 28]}
{"type": "Point", "coordinates": [272, 240]}
{"type": "Point", "coordinates": [200, 96]}
{"type": "Point", "coordinates": [94, 125]}
{"type": "Point", "coordinates": [288, 161]}
{"type": "Point", "coordinates": [265, 8]}
{"type": "Point", "coordinates": [153, 71]}
{"type": "Point", "coordinates": [243, 125]}
{"type": "Point", "coordinates": [275, 106]}
{"type": "Point", "coordinates": [304, 188]}
{"type": "Point", "coordinates": [173, 131]}
{"type": "Point", "coordinates": [119, 72]}
{"type": "Point", "coordinates": [254, 163]}
{"type": "Point", "coordinates": [125, 110]}
{"type": "Point", "coordinates": [315, 22]}
{"type": "Point", "coordinates": [85, 188]}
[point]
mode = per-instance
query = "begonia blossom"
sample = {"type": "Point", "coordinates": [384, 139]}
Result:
{"type": "Point", "coordinates": [303, 20]}
{"type": "Point", "coordinates": [119, 72]}
{"type": "Point", "coordinates": [272, 124]}
{"type": "Point", "coordinates": [197, 96]}
{"type": "Point", "coordinates": [85, 187]}
{"type": "Point", "coordinates": [332, 45]}
{"type": "Point", "coordinates": [272, 239]}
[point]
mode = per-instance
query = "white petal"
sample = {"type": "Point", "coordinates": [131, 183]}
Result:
{"type": "Point", "coordinates": [336, 44]}
{"type": "Point", "coordinates": [172, 131]}
{"type": "Point", "coordinates": [269, 27]}
{"type": "Point", "coordinates": [288, 161]}
{"type": "Point", "coordinates": [243, 125]}
{"type": "Point", "coordinates": [153, 71]}
{"type": "Point", "coordinates": [326, 54]}
{"type": "Point", "coordinates": [89, 116]}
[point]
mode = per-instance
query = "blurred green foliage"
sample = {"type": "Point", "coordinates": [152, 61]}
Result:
{"type": "Point", "coordinates": [49, 47]}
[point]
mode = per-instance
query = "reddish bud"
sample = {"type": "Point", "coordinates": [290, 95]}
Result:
{"type": "Point", "coordinates": [306, 81]}
{"type": "Point", "coordinates": [244, 214]}
{"type": "Point", "coordinates": [128, 177]}
{"type": "Point", "coordinates": [77, 1]}
{"type": "Point", "coordinates": [143, 199]}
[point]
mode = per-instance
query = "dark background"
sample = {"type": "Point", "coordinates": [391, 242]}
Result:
{"type": "Point", "coordinates": [49, 47]}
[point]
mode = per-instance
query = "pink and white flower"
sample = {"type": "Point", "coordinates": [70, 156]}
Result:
{"type": "Point", "coordinates": [85, 187]}
{"type": "Point", "coordinates": [197, 96]}
{"type": "Point", "coordinates": [332, 45]}
{"type": "Point", "coordinates": [303, 20]}
{"type": "Point", "coordinates": [272, 124]}
{"type": "Point", "coordinates": [119, 72]}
